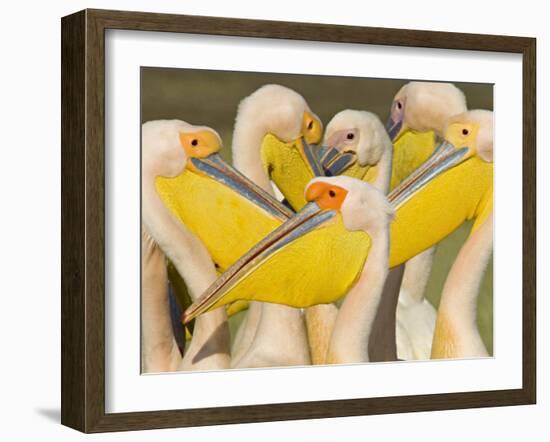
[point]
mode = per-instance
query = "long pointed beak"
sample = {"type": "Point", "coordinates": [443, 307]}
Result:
{"type": "Point", "coordinates": [393, 128]}
{"type": "Point", "coordinates": [444, 157]}
{"type": "Point", "coordinates": [307, 219]}
{"type": "Point", "coordinates": [310, 158]}
{"type": "Point", "coordinates": [216, 168]}
{"type": "Point", "coordinates": [334, 161]}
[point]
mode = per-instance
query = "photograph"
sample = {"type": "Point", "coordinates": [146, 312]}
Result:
{"type": "Point", "coordinates": [259, 222]}
{"type": "Point", "coordinates": [292, 220]}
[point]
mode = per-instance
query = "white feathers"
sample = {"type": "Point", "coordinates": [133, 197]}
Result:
{"type": "Point", "coordinates": [372, 139]}
{"type": "Point", "coordinates": [428, 106]}
{"type": "Point", "coordinates": [272, 109]}
{"type": "Point", "coordinates": [162, 152]}
{"type": "Point", "coordinates": [415, 325]}
{"type": "Point", "coordinates": [364, 208]}
{"type": "Point", "coordinates": [484, 142]}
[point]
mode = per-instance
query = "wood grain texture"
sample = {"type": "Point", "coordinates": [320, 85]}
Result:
{"type": "Point", "coordinates": [83, 220]}
{"type": "Point", "coordinates": [73, 129]}
{"type": "Point", "coordinates": [529, 220]}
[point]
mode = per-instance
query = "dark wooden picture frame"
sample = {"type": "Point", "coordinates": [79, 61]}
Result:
{"type": "Point", "coordinates": [83, 220]}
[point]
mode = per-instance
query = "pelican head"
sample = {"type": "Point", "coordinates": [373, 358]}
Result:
{"type": "Point", "coordinates": [313, 258]}
{"type": "Point", "coordinates": [418, 116]}
{"type": "Point", "coordinates": [273, 130]}
{"type": "Point", "coordinates": [474, 130]}
{"type": "Point", "coordinates": [362, 206]}
{"type": "Point", "coordinates": [182, 166]}
{"type": "Point", "coordinates": [424, 106]}
{"type": "Point", "coordinates": [357, 144]}
{"type": "Point", "coordinates": [464, 192]}
{"type": "Point", "coordinates": [169, 145]}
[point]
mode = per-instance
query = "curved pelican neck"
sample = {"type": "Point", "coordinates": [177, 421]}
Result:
{"type": "Point", "coordinates": [264, 332]}
{"type": "Point", "coordinates": [182, 247]}
{"type": "Point", "coordinates": [456, 333]}
{"type": "Point", "coordinates": [158, 346]}
{"type": "Point", "coordinates": [383, 178]}
{"type": "Point", "coordinates": [350, 337]}
{"type": "Point", "coordinates": [246, 147]}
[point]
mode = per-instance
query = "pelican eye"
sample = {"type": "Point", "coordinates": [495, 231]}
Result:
{"type": "Point", "coordinates": [399, 105]}
{"type": "Point", "coordinates": [332, 193]}
{"type": "Point", "coordinates": [350, 136]}
{"type": "Point", "coordinates": [310, 125]}
{"type": "Point", "coordinates": [195, 142]}
{"type": "Point", "coordinates": [465, 132]}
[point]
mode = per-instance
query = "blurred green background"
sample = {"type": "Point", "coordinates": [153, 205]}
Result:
{"type": "Point", "coordinates": [210, 98]}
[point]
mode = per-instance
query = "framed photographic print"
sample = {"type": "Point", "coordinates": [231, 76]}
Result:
{"type": "Point", "coordinates": [268, 221]}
